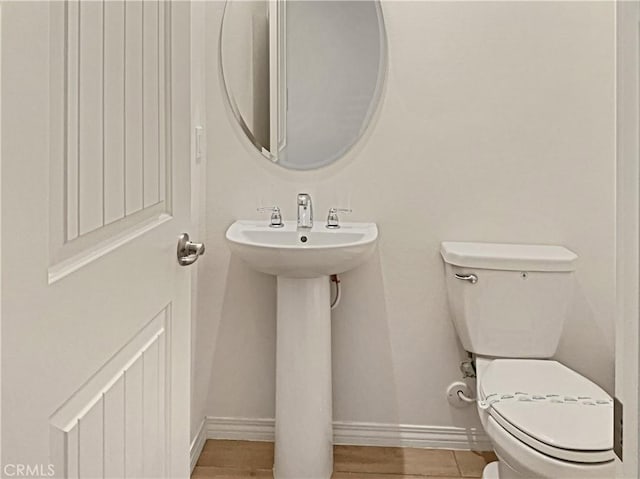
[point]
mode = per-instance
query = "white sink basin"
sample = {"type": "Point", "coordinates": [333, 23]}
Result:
{"type": "Point", "coordinates": [302, 253]}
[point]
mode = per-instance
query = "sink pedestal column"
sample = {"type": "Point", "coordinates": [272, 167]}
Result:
{"type": "Point", "coordinates": [304, 429]}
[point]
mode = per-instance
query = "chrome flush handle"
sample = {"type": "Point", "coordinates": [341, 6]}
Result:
{"type": "Point", "coordinates": [472, 278]}
{"type": "Point", "coordinates": [188, 252]}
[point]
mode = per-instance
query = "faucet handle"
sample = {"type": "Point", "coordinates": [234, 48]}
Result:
{"type": "Point", "coordinates": [276, 217]}
{"type": "Point", "coordinates": [333, 222]}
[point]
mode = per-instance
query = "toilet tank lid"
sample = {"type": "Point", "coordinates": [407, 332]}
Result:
{"type": "Point", "coordinates": [511, 257]}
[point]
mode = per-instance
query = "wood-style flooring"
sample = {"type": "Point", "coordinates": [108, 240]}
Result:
{"type": "Point", "coordinates": [246, 459]}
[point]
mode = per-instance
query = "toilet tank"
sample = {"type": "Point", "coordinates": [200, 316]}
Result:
{"type": "Point", "coordinates": [508, 300]}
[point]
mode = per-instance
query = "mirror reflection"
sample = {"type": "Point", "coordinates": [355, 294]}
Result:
{"type": "Point", "coordinates": [303, 77]}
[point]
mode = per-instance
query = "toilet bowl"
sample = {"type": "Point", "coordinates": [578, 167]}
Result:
{"type": "Point", "coordinates": [508, 305]}
{"type": "Point", "coordinates": [544, 420]}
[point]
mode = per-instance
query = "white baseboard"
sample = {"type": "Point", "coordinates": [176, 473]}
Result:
{"type": "Point", "coordinates": [348, 433]}
{"type": "Point", "coordinates": [240, 428]}
{"type": "Point", "coordinates": [407, 435]}
{"type": "Point", "coordinates": [198, 444]}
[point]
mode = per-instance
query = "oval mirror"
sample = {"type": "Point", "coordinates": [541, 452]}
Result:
{"type": "Point", "coordinates": [304, 77]}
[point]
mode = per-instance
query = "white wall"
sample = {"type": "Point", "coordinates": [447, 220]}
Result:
{"type": "Point", "coordinates": [497, 124]}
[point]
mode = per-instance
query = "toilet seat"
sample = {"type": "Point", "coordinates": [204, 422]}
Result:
{"type": "Point", "coordinates": [554, 452]}
{"type": "Point", "coordinates": [550, 408]}
{"type": "Point", "coordinates": [528, 463]}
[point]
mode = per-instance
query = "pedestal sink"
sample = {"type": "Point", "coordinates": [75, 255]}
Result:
{"type": "Point", "coordinates": [303, 259]}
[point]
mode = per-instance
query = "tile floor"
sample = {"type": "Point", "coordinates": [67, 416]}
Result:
{"type": "Point", "coordinates": [245, 459]}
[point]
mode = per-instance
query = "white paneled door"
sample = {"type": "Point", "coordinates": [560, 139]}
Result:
{"type": "Point", "coordinates": [95, 149]}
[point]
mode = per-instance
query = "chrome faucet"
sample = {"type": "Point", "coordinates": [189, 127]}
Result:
{"type": "Point", "coordinates": [305, 211]}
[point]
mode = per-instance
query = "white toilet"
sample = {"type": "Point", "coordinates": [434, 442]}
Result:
{"type": "Point", "coordinates": [508, 304]}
